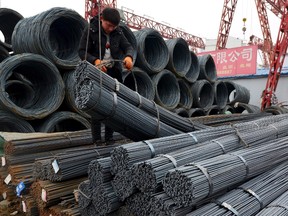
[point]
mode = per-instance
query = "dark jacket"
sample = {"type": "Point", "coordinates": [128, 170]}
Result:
{"type": "Point", "coordinates": [119, 45]}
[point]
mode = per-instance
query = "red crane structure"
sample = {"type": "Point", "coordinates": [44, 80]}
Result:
{"type": "Point", "coordinates": [138, 22]}
{"type": "Point", "coordinates": [274, 56]}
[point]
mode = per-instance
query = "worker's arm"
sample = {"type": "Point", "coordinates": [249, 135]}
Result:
{"type": "Point", "coordinates": [82, 48]}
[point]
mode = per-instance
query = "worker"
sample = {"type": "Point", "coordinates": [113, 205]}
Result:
{"type": "Point", "coordinates": [114, 45]}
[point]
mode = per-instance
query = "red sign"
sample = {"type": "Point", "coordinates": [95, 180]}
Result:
{"type": "Point", "coordinates": [235, 61]}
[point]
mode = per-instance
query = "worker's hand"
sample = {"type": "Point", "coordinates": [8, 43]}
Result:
{"type": "Point", "coordinates": [98, 65]}
{"type": "Point", "coordinates": [128, 63]}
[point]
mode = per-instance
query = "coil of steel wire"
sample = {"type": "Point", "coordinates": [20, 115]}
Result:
{"type": "Point", "coordinates": [193, 182]}
{"type": "Point", "coordinates": [8, 20]}
{"type": "Point", "coordinates": [246, 108]}
{"type": "Point", "coordinates": [252, 196]}
{"type": "Point", "coordinates": [202, 93]}
{"type": "Point", "coordinates": [276, 110]}
{"type": "Point", "coordinates": [138, 80]}
{"type": "Point", "coordinates": [186, 97]}
{"type": "Point", "coordinates": [194, 112]}
{"type": "Point", "coordinates": [220, 94]}
{"type": "Point", "coordinates": [41, 75]}
{"type": "Point", "coordinates": [152, 51]}
{"type": "Point", "coordinates": [148, 175]}
{"type": "Point", "coordinates": [179, 56]}
{"type": "Point", "coordinates": [3, 53]}
{"type": "Point", "coordinates": [124, 156]}
{"type": "Point", "coordinates": [167, 90]}
{"type": "Point", "coordinates": [54, 33]}
{"type": "Point", "coordinates": [182, 112]}
{"type": "Point", "coordinates": [213, 110]}
{"type": "Point", "coordinates": [86, 70]}
{"type": "Point", "coordinates": [207, 68]}
{"type": "Point", "coordinates": [61, 121]}
{"type": "Point", "coordinates": [193, 73]}
{"type": "Point", "coordinates": [10, 122]}
{"type": "Point", "coordinates": [236, 93]}
{"type": "Point", "coordinates": [228, 109]}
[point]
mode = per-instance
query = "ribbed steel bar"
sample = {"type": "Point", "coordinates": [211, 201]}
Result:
{"type": "Point", "coordinates": [148, 174]}
{"type": "Point", "coordinates": [84, 194]}
{"type": "Point", "coordinates": [86, 70]}
{"type": "Point", "coordinates": [188, 184]}
{"type": "Point", "coordinates": [29, 205]}
{"type": "Point", "coordinates": [124, 156]}
{"type": "Point", "coordinates": [250, 197]}
{"type": "Point", "coordinates": [139, 203]}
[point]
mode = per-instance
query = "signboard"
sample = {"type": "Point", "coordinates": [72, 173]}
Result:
{"type": "Point", "coordinates": [234, 61]}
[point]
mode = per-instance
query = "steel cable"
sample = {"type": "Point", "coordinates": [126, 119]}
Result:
{"type": "Point", "coordinates": [43, 77]}
{"type": "Point", "coordinates": [179, 56]}
{"type": "Point", "coordinates": [54, 33]}
{"type": "Point", "coordinates": [167, 90]}
{"type": "Point", "coordinates": [193, 73]}
{"type": "Point", "coordinates": [152, 51]}
{"type": "Point", "coordinates": [193, 182]}
{"type": "Point", "coordinates": [207, 68]}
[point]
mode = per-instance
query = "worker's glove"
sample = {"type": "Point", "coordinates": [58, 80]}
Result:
{"type": "Point", "coordinates": [128, 63]}
{"type": "Point", "coordinates": [99, 66]}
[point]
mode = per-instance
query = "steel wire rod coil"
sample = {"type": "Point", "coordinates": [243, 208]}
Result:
{"type": "Point", "coordinates": [202, 93]}
{"type": "Point", "coordinates": [54, 33]}
{"type": "Point", "coordinates": [8, 20]}
{"type": "Point", "coordinates": [167, 90]}
{"type": "Point", "coordinates": [179, 56]}
{"type": "Point", "coordinates": [148, 174]}
{"type": "Point", "coordinates": [10, 122]}
{"type": "Point", "coordinates": [220, 94]}
{"type": "Point", "coordinates": [252, 196]}
{"type": "Point", "coordinates": [213, 110]}
{"type": "Point", "coordinates": [207, 68]}
{"type": "Point", "coordinates": [3, 53]}
{"type": "Point", "coordinates": [277, 207]}
{"type": "Point", "coordinates": [190, 183]}
{"type": "Point", "coordinates": [124, 156]}
{"type": "Point", "coordinates": [88, 71]}
{"type": "Point", "coordinates": [276, 110]}
{"type": "Point", "coordinates": [43, 79]}
{"type": "Point", "coordinates": [246, 108]}
{"type": "Point", "coordinates": [193, 73]}
{"type": "Point", "coordinates": [194, 112]}
{"type": "Point", "coordinates": [228, 109]}
{"type": "Point", "coordinates": [182, 112]}
{"type": "Point", "coordinates": [119, 114]}
{"type": "Point", "coordinates": [138, 80]}
{"type": "Point", "coordinates": [70, 84]}
{"type": "Point", "coordinates": [61, 121]}
{"type": "Point", "coordinates": [236, 93]}
{"type": "Point", "coordinates": [186, 98]}
{"type": "Point", "coordinates": [152, 51]}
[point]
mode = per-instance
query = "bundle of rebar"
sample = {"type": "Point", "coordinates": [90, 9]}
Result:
{"type": "Point", "coordinates": [149, 174]}
{"type": "Point", "coordinates": [84, 194]}
{"type": "Point", "coordinates": [99, 171]}
{"type": "Point", "coordinates": [250, 197]}
{"type": "Point", "coordinates": [124, 156]}
{"type": "Point", "coordinates": [193, 182]}
{"type": "Point", "coordinates": [72, 164]}
{"type": "Point", "coordinates": [29, 205]}
{"type": "Point", "coordinates": [47, 142]}
{"type": "Point", "coordinates": [88, 71]}
{"type": "Point", "coordinates": [139, 203]}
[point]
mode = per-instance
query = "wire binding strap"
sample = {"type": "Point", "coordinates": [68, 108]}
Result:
{"type": "Point", "coordinates": [254, 195]}
{"type": "Point", "coordinates": [117, 85]}
{"type": "Point", "coordinates": [244, 161]}
{"type": "Point", "coordinates": [113, 111]}
{"type": "Point", "coordinates": [172, 159]}
{"type": "Point", "coordinates": [222, 147]}
{"type": "Point", "coordinates": [273, 126]}
{"type": "Point", "coordinates": [228, 207]}
{"type": "Point", "coordinates": [158, 120]}
{"type": "Point", "coordinates": [278, 205]}
{"type": "Point", "coordinates": [140, 100]}
{"type": "Point", "coordinates": [151, 148]}
{"type": "Point", "coordinates": [241, 139]}
{"type": "Point", "coordinates": [194, 137]}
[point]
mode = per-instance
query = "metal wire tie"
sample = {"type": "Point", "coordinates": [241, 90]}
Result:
{"type": "Point", "coordinates": [83, 192]}
{"type": "Point", "coordinates": [241, 139]}
{"type": "Point", "coordinates": [113, 111]}
{"type": "Point", "coordinates": [227, 206]}
{"type": "Point", "coordinates": [117, 85]}
{"type": "Point", "coordinates": [254, 195]}
{"type": "Point", "coordinates": [193, 136]}
{"type": "Point", "coordinates": [222, 147]}
{"type": "Point", "coordinates": [140, 99]}
{"type": "Point", "coordinates": [278, 205]}
{"type": "Point", "coordinates": [172, 159]}
{"type": "Point", "coordinates": [244, 161]}
{"type": "Point", "coordinates": [275, 129]}
{"type": "Point", "coordinates": [158, 120]}
{"type": "Point", "coordinates": [151, 148]}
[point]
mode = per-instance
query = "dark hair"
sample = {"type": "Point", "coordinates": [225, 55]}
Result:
{"type": "Point", "coordinates": [112, 15]}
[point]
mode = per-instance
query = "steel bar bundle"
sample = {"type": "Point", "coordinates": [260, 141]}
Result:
{"type": "Point", "coordinates": [86, 70]}
{"type": "Point", "coordinates": [29, 206]}
{"type": "Point", "coordinates": [105, 199]}
{"type": "Point", "coordinates": [74, 211]}
{"type": "Point", "coordinates": [250, 197]}
{"type": "Point", "coordinates": [48, 194]}
{"type": "Point", "coordinates": [276, 207]}
{"type": "Point", "coordinates": [149, 174]}
{"type": "Point", "coordinates": [193, 182]}
{"type": "Point", "coordinates": [99, 171]}
{"type": "Point", "coordinates": [124, 156]}
{"type": "Point", "coordinates": [84, 194]}
{"type": "Point", "coordinates": [139, 203]}
{"type": "Point", "coordinates": [118, 114]}
{"type": "Point", "coordinates": [72, 164]}
{"type": "Point", "coordinates": [47, 142]}
{"type": "Point", "coordinates": [41, 168]}
{"type": "Point", "coordinates": [21, 173]}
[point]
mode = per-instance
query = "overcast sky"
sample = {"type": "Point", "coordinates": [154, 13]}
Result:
{"type": "Point", "coordinates": [197, 17]}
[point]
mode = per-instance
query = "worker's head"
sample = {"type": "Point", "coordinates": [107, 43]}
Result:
{"type": "Point", "coordinates": [110, 19]}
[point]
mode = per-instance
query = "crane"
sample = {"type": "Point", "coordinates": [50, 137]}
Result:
{"type": "Point", "coordinates": [274, 56]}
{"type": "Point", "coordinates": [138, 22]}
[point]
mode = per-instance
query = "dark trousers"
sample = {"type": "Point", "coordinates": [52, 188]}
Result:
{"type": "Point", "coordinates": [96, 131]}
